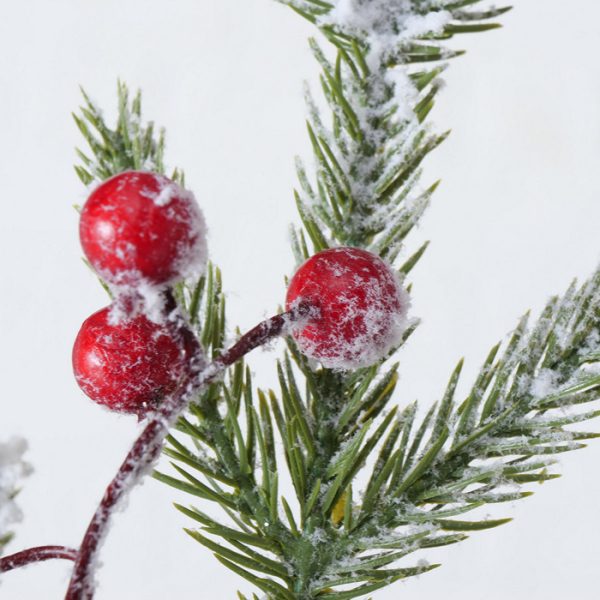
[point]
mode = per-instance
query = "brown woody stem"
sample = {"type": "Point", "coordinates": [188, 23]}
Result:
{"type": "Point", "coordinates": [33, 555]}
{"type": "Point", "coordinates": [146, 449]}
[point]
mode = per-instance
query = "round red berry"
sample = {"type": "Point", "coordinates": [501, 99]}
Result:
{"type": "Point", "coordinates": [142, 227]}
{"type": "Point", "coordinates": [360, 308]}
{"type": "Point", "coordinates": [131, 364]}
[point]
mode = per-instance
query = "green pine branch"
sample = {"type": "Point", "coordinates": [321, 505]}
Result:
{"type": "Point", "coordinates": [5, 536]}
{"type": "Point", "coordinates": [12, 471]}
{"type": "Point", "coordinates": [365, 191]}
{"type": "Point", "coordinates": [131, 145]}
{"type": "Point", "coordinates": [370, 485]}
{"type": "Point", "coordinates": [517, 416]}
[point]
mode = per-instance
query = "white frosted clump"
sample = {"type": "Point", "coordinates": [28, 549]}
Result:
{"type": "Point", "coordinates": [192, 262]}
{"type": "Point", "coordinates": [405, 93]}
{"type": "Point", "coordinates": [167, 193]}
{"type": "Point", "coordinates": [144, 298]}
{"type": "Point", "coordinates": [12, 470]}
{"type": "Point", "coordinates": [590, 353]}
{"type": "Point", "coordinates": [385, 24]}
{"type": "Point", "coordinates": [544, 384]}
{"type": "Point", "coordinates": [383, 331]}
{"type": "Point", "coordinates": [385, 27]}
{"type": "Point", "coordinates": [417, 25]}
{"type": "Point", "coordinates": [396, 19]}
{"type": "Point", "coordinates": [318, 536]}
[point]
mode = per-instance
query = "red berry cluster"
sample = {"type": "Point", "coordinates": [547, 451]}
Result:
{"type": "Point", "coordinates": [360, 308]}
{"type": "Point", "coordinates": [141, 232]}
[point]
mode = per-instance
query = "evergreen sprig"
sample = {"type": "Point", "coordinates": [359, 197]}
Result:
{"type": "Point", "coordinates": [131, 145]}
{"type": "Point", "coordinates": [13, 469]}
{"type": "Point", "coordinates": [366, 186]}
{"type": "Point", "coordinates": [370, 484]}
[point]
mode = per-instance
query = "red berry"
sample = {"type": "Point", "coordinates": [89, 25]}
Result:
{"type": "Point", "coordinates": [130, 365]}
{"type": "Point", "coordinates": [142, 227]}
{"type": "Point", "coordinates": [361, 307]}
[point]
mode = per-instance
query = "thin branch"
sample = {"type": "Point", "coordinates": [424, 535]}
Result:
{"type": "Point", "coordinates": [146, 449]}
{"type": "Point", "coordinates": [33, 555]}
{"type": "Point", "coordinates": [261, 334]}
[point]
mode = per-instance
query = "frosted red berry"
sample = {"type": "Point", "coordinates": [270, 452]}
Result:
{"type": "Point", "coordinates": [130, 365]}
{"type": "Point", "coordinates": [361, 307]}
{"type": "Point", "coordinates": [140, 227]}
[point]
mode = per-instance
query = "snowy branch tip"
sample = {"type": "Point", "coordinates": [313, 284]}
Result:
{"type": "Point", "coordinates": [12, 470]}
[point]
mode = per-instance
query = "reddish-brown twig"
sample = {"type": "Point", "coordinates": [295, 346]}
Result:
{"type": "Point", "coordinates": [147, 448]}
{"type": "Point", "coordinates": [33, 555]}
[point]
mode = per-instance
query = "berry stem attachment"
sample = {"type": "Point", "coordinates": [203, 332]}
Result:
{"type": "Point", "coordinates": [263, 333]}
{"type": "Point", "coordinates": [146, 449]}
{"type": "Point", "coordinates": [34, 555]}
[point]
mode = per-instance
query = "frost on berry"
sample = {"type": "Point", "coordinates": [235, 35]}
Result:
{"type": "Point", "coordinates": [131, 365]}
{"type": "Point", "coordinates": [361, 306]}
{"type": "Point", "coordinates": [142, 228]}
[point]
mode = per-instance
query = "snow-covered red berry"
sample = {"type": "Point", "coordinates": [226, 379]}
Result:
{"type": "Point", "coordinates": [140, 227]}
{"type": "Point", "coordinates": [131, 364]}
{"type": "Point", "coordinates": [360, 308]}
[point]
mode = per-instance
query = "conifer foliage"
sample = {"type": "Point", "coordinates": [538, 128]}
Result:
{"type": "Point", "coordinates": [13, 469]}
{"type": "Point", "coordinates": [372, 482]}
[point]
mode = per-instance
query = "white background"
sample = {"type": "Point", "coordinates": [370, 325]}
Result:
{"type": "Point", "coordinates": [516, 217]}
